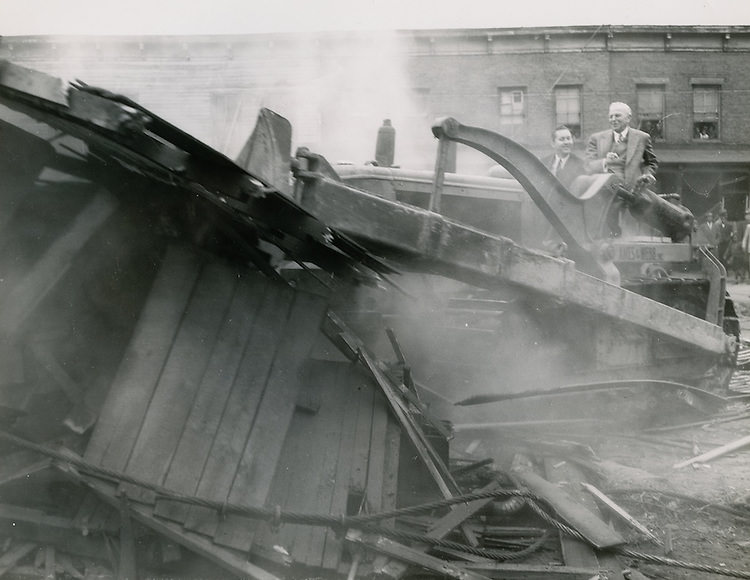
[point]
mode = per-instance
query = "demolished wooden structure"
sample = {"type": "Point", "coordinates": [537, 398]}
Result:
{"type": "Point", "coordinates": [182, 380]}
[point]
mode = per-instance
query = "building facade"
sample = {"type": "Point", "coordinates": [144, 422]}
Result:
{"type": "Point", "coordinates": [688, 87]}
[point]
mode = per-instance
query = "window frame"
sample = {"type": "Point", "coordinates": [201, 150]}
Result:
{"type": "Point", "coordinates": [661, 90]}
{"type": "Point", "coordinates": [575, 128]}
{"type": "Point", "coordinates": [704, 117]}
{"type": "Point", "coordinates": [512, 119]}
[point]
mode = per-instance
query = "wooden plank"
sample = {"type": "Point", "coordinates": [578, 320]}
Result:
{"type": "Point", "coordinates": [205, 416]}
{"type": "Point", "coordinates": [353, 390]}
{"type": "Point", "coordinates": [127, 567]}
{"type": "Point", "coordinates": [16, 553]}
{"type": "Point", "coordinates": [12, 363]}
{"type": "Point", "coordinates": [13, 472]}
{"type": "Point", "coordinates": [412, 556]}
{"type": "Point", "coordinates": [23, 298]}
{"type": "Point", "coordinates": [285, 487]}
{"type": "Point", "coordinates": [241, 408]}
{"type": "Point", "coordinates": [336, 330]}
{"type": "Point", "coordinates": [131, 390]}
{"type": "Point", "coordinates": [588, 524]}
{"type": "Point", "coordinates": [714, 453]}
{"type": "Point", "coordinates": [48, 362]}
{"type": "Point", "coordinates": [173, 397]}
{"type": "Point", "coordinates": [261, 453]}
{"type": "Point", "coordinates": [575, 552]}
{"type": "Point", "coordinates": [460, 513]}
{"type": "Point", "coordinates": [325, 450]}
{"type": "Point", "coordinates": [455, 518]}
{"type": "Point", "coordinates": [390, 468]}
{"type": "Point", "coordinates": [509, 571]}
{"type": "Point", "coordinates": [625, 516]}
{"type": "Point", "coordinates": [36, 526]}
{"type": "Point", "coordinates": [374, 484]}
{"type": "Point", "coordinates": [234, 563]}
{"type": "Point", "coordinates": [307, 436]}
{"type": "Point", "coordinates": [361, 453]}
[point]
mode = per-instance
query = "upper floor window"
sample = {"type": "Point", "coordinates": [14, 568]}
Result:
{"type": "Point", "coordinates": [706, 111]}
{"type": "Point", "coordinates": [568, 109]}
{"type": "Point", "coordinates": [650, 103]}
{"type": "Point", "coordinates": [512, 106]}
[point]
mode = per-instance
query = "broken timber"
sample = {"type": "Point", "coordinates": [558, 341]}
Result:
{"type": "Point", "coordinates": [714, 453]}
{"type": "Point", "coordinates": [589, 525]}
{"type": "Point", "coordinates": [411, 556]}
{"type": "Point", "coordinates": [621, 513]}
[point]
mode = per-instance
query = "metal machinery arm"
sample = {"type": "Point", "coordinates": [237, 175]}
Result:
{"type": "Point", "coordinates": [327, 218]}
{"type": "Point", "coordinates": [583, 222]}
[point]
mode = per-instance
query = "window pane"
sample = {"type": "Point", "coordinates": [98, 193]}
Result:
{"type": "Point", "coordinates": [568, 108]}
{"type": "Point", "coordinates": [705, 100]}
{"type": "Point", "coordinates": [512, 106]}
{"type": "Point", "coordinates": [650, 101]}
{"type": "Point", "coordinates": [706, 105]}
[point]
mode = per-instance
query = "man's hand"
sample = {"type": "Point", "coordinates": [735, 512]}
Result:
{"type": "Point", "coordinates": [646, 179]}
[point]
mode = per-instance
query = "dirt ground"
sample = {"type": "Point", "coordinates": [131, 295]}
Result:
{"type": "Point", "coordinates": [701, 511]}
{"type": "Point", "coordinates": [687, 508]}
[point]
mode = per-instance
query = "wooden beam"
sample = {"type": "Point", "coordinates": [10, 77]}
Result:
{"type": "Point", "coordinates": [16, 553]}
{"type": "Point", "coordinates": [439, 473]}
{"type": "Point", "coordinates": [505, 571]}
{"type": "Point", "coordinates": [127, 568]}
{"type": "Point", "coordinates": [461, 513]}
{"type": "Point", "coordinates": [621, 513]}
{"type": "Point", "coordinates": [48, 362]}
{"type": "Point", "coordinates": [714, 453]}
{"type": "Point", "coordinates": [230, 560]}
{"type": "Point", "coordinates": [23, 298]}
{"type": "Point", "coordinates": [575, 552]}
{"type": "Point", "coordinates": [411, 556]}
{"type": "Point", "coordinates": [49, 563]}
{"type": "Point", "coordinates": [589, 525]}
{"type": "Point", "coordinates": [35, 526]}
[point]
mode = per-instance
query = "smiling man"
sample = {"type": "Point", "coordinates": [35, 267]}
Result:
{"type": "Point", "coordinates": [622, 150]}
{"type": "Point", "coordinates": [565, 165]}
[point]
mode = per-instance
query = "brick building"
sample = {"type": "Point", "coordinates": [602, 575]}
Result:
{"type": "Point", "coordinates": [688, 87]}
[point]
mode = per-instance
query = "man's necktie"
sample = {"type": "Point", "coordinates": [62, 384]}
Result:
{"type": "Point", "coordinates": [556, 166]}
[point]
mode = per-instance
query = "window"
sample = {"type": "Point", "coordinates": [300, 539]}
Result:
{"type": "Point", "coordinates": [650, 103]}
{"type": "Point", "coordinates": [706, 112]}
{"type": "Point", "coordinates": [568, 109]}
{"type": "Point", "coordinates": [512, 106]}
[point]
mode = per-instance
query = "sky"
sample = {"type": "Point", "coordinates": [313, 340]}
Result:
{"type": "Point", "coordinates": [146, 17]}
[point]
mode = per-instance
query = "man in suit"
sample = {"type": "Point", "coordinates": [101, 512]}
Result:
{"type": "Point", "coordinates": [563, 163]}
{"type": "Point", "coordinates": [622, 150]}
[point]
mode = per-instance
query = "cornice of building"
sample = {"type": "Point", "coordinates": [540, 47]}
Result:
{"type": "Point", "coordinates": [576, 30]}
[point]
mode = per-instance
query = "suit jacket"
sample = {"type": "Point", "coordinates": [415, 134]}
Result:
{"type": "Point", "coordinates": [573, 167]}
{"type": "Point", "coordinates": [639, 158]}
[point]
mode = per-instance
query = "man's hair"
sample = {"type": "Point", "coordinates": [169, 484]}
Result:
{"type": "Point", "coordinates": [560, 128]}
{"type": "Point", "coordinates": [621, 105]}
